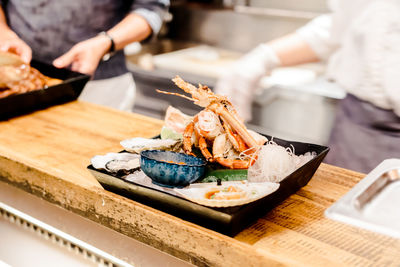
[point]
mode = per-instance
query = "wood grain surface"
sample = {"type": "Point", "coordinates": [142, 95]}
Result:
{"type": "Point", "coordinates": [61, 140]}
{"type": "Point", "coordinates": [46, 154]}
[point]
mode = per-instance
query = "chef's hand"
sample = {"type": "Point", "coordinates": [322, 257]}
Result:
{"type": "Point", "coordinates": [10, 42]}
{"type": "Point", "coordinates": [84, 57]}
{"type": "Point", "coordinates": [242, 80]}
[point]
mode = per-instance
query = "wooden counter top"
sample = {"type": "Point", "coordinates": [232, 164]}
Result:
{"type": "Point", "coordinates": [46, 153]}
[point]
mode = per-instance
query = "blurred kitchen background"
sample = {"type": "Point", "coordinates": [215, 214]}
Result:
{"type": "Point", "coordinates": [201, 38]}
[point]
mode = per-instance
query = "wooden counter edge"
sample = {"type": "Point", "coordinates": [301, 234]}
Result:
{"type": "Point", "coordinates": [172, 235]}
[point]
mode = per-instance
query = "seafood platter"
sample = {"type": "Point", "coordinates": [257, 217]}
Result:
{"type": "Point", "coordinates": [208, 168]}
{"type": "Point", "coordinates": [28, 87]}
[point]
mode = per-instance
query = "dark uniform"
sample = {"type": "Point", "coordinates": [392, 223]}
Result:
{"type": "Point", "coordinates": [51, 28]}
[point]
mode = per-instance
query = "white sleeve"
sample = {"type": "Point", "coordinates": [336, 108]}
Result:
{"type": "Point", "coordinates": [391, 61]}
{"type": "Point", "coordinates": [378, 29]}
{"type": "Point", "coordinates": [317, 33]}
{"type": "Point", "coordinates": [153, 11]}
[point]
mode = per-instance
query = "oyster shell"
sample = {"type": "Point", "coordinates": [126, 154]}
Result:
{"type": "Point", "coordinates": [232, 193]}
{"type": "Point", "coordinates": [118, 163]}
{"type": "Point", "coordinates": [138, 144]}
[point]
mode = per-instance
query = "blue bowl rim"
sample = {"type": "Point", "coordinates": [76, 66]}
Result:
{"type": "Point", "coordinates": [167, 151]}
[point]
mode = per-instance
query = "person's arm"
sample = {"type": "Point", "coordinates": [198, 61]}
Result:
{"type": "Point", "coordinates": [4, 29]}
{"type": "Point", "coordinates": [145, 18]}
{"type": "Point", "coordinates": [123, 33]}
{"type": "Point", "coordinates": [10, 42]}
{"type": "Point", "coordinates": [310, 43]}
{"type": "Point", "coordinates": [85, 56]}
{"type": "Point", "coordinates": [293, 50]}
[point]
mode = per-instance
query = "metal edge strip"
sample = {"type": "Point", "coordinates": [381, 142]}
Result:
{"type": "Point", "coordinates": [61, 238]}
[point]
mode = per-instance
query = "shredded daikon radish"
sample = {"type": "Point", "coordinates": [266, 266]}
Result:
{"type": "Point", "coordinates": [274, 163]}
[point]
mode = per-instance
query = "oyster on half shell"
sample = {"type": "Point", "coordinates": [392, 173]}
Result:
{"type": "Point", "coordinates": [138, 144]}
{"type": "Point", "coordinates": [118, 163]}
{"type": "Point", "coordinates": [232, 193]}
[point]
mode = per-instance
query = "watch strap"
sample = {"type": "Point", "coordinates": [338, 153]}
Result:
{"type": "Point", "coordinates": [112, 47]}
{"type": "Point", "coordinates": [111, 50]}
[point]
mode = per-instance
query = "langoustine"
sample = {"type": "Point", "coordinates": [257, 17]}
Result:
{"type": "Point", "coordinates": [219, 128]}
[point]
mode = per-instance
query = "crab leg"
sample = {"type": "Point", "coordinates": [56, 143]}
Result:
{"type": "Point", "coordinates": [218, 151]}
{"type": "Point", "coordinates": [187, 138]}
{"type": "Point", "coordinates": [237, 125]}
{"type": "Point", "coordinates": [204, 149]}
{"type": "Point", "coordinates": [234, 163]}
{"type": "Point", "coordinates": [172, 93]}
{"type": "Point", "coordinates": [234, 138]}
{"type": "Point", "coordinates": [187, 87]}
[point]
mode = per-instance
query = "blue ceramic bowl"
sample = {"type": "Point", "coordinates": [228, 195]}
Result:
{"type": "Point", "coordinates": [157, 164]}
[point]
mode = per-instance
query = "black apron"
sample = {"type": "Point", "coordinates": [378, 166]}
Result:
{"type": "Point", "coordinates": [363, 135]}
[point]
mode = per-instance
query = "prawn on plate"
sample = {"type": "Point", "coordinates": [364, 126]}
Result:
{"type": "Point", "coordinates": [217, 130]}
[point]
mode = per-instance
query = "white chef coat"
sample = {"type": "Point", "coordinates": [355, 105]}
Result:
{"type": "Point", "coordinates": [360, 39]}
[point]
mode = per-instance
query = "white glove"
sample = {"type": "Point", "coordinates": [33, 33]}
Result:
{"type": "Point", "coordinates": [242, 80]}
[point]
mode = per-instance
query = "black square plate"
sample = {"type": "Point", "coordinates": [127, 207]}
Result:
{"type": "Point", "coordinates": [228, 221]}
{"type": "Point", "coordinates": [68, 90]}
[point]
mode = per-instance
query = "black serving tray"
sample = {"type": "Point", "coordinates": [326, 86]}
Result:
{"type": "Point", "coordinates": [228, 221]}
{"type": "Point", "coordinates": [68, 90]}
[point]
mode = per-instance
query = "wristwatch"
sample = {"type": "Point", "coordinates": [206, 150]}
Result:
{"type": "Point", "coordinates": [110, 51]}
